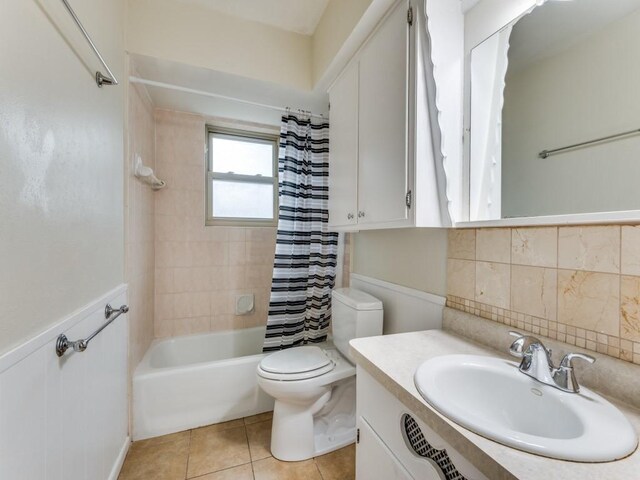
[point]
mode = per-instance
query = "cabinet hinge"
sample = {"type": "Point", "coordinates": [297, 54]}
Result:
{"type": "Point", "coordinates": [410, 16]}
{"type": "Point", "coordinates": [407, 199]}
{"type": "Point", "coordinates": [358, 435]}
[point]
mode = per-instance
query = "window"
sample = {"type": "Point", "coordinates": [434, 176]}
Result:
{"type": "Point", "coordinates": [242, 180]}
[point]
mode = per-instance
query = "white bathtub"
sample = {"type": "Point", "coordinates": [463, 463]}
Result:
{"type": "Point", "coordinates": [196, 380]}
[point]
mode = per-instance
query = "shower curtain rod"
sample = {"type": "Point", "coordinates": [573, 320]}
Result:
{"type": "Point", "coordinates": [169, 86]}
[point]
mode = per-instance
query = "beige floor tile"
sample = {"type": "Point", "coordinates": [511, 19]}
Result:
{"type": "Point", "coordinates": [261, 417]}
{"type": "Point", "coordinates": [273, 469]}
{"type": "Point", "coordinates": [216, 427]}
{"type": "Point", "coordinates": [213, 449]}
{"type": "Point", "coordinates": [259, 435]}
{"type": "Point", "coordinates": [243, 472]}
{"type": "Point", "coordinates": [338, 465]}
{"type": "Point", "coordinates": [161, 458]}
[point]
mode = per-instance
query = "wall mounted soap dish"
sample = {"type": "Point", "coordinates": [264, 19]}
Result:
{"type": "Point", "coordinates": [146, 175]}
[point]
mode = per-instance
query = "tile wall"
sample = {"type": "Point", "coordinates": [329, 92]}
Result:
{"type": "Point", "coordinates": [139, 224]}
{"type": "Point", "coordinates": [346, 260]}
{"type": "Point", "coordinates": [579, 285]}
{"type": "Point", "coordinates": [199, 270]}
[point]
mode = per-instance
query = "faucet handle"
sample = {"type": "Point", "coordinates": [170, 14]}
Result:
{"type": "Point", "coordinates": [522, 344]}
{"type": "Point", "coordinates": [564, 376]}
{"type": "Point", "coordinates": [567, 360]}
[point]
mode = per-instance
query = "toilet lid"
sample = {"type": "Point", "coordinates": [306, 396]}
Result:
{"type": "Point", "coordinates": [295, 360]}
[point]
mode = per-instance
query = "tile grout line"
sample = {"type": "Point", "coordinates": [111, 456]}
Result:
{"type": "Point", "coordinates": [186, 470]}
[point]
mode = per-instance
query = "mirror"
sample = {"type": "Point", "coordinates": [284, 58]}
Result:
{"type": "Point", "coordinates": [555, 112]}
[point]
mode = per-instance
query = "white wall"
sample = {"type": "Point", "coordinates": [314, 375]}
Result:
{"type": "Point", "coordinates": [411, 257]}
{"type": "Point", "coordinates": [587, 91]}
{"type": "Point", "coordinates": [338, 21]}
{"type": "Point", "coordinates": [404, 309]}
{"type": "Point", "coordinates": [201, 37]}
{"type": "Point", "coordinates": [66, 418]}
{"type": "Point", "coordinates": [61, 149]}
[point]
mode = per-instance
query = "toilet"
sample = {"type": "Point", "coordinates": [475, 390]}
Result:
{"type": "Point", "coordinates": [314, 386]}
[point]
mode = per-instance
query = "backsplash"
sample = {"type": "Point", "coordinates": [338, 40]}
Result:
{"type": "Point", "coordinates": [579, 285]}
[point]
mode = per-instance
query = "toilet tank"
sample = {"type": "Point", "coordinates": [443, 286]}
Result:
{"type": "Point", "coordinates": [354, 314]}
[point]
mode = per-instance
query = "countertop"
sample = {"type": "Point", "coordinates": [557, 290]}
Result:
{"type": "Point", "coordinates": [392, 361]}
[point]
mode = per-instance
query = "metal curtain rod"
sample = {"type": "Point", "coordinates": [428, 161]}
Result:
{"type": "Point", "coordinates": [100, 78]}
{"type": "Point", "coordinates": [169, 86]}
{"type": "Point", "coordinates": [547, 153]}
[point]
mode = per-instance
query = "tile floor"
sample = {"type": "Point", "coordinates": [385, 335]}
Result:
{"type": "Point", "coordinates": [235, 450]}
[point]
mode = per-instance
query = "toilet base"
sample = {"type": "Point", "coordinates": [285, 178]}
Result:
{"type": "Point", "coordinates": [301, 432]}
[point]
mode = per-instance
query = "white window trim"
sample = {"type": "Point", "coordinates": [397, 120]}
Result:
{"type": "Point", "coordinates": [249, 135]}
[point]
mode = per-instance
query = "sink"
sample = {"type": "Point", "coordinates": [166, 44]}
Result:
{"type": "Point", "coordinates": [491, 397]}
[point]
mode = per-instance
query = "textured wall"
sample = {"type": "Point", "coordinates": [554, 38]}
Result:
{"type": "Point", "coordinates": [199, 269]}
{"type": "Point", "coordinates": [579, 285]}
{"type": "Point", "coordinates": [61, 149]}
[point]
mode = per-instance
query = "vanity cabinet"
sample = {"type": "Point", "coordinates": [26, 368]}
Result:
{"type": "Point", "coordinates": [394, 444]}
{"type": "Point", "coordinates": [374, 459]}
{"type": "Point", "coordinates": [369, 170]}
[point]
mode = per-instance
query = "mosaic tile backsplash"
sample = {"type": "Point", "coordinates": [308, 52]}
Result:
{"type": "Point", "coordinates": [579, 284]}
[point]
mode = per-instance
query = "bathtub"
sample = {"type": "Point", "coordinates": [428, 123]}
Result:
{"type": "Point", "coordinates": [196, 380]}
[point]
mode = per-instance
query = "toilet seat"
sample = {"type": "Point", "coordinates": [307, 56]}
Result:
{"type": "Point", "coordinates": [299, 363]}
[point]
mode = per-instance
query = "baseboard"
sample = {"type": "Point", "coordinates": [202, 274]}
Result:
{"type": "Point", "coordinates": [117, 466]}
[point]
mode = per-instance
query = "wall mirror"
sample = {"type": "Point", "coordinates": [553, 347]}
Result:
{"type": "Point", "coordinates": [555, 112]}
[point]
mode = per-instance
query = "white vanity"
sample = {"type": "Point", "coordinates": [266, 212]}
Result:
{"type": "Point", "coordinates": [391, 409]}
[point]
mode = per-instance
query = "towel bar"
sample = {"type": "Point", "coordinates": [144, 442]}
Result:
{"type": "Point", "coordinates": [63, 343]}
{"type": "Point", "coordinates": [101, 79]}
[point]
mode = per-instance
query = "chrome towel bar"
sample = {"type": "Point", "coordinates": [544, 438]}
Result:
{"type": "Point", "coordinates": [101, 79]}
{"type": "Point", "coordinates": [548, 153]}
{"type": "Point", "coordinates": [63, 343]}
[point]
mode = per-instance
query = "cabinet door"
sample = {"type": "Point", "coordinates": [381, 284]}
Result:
{"type": "Point", "coordinates": [343, 149]}
{"type": "Point", "coordinates": [374, 461]}
{"type": "Point", "coordinates": [383, 117]}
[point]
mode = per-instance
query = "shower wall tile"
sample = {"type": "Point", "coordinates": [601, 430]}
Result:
{"type": "Point", "coordinates": [578, 284]}
{"type": "Point", "coordinates": [200, 269]}
{"type": "Point", "coordinates": [139, 218]}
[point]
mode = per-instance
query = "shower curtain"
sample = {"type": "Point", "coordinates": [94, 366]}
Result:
{"type": "Point", "coordinates": [306, 252]}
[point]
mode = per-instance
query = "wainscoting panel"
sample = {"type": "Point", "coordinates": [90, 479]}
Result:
{"type": "Point", "coordinates": [66, 418]}
{"type": "Point", "coordinates": [405, 309]}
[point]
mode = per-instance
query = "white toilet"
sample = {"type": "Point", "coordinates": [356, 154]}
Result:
{"type": "Point", "coordinates": [314, 386]}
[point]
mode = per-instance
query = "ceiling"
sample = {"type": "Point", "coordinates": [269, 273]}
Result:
{"type": "Point", "coordinates": [300, 16]}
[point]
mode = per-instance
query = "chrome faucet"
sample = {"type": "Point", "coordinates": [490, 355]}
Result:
{"type": "Point", "coordinates": [537, 363]}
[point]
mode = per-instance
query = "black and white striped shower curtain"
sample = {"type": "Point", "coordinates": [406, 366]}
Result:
{"type": "Point", "coordinates": [306, 252]}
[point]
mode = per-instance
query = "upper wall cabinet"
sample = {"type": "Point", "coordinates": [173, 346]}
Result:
{"type": "Point", "coordinates": [386, 167]}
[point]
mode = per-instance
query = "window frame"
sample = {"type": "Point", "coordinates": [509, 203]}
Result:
{"type": "Point", "coordinates": [249, 136]}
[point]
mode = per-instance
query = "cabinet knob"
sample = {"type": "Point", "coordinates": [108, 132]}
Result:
{"type": "Point", "coordinates": [350, 216]}
{"type": "Point", "coordinates": [360, 214]}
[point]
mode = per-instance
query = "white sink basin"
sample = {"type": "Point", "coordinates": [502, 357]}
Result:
{"type": "Point", "coordinates": [491, 397]}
